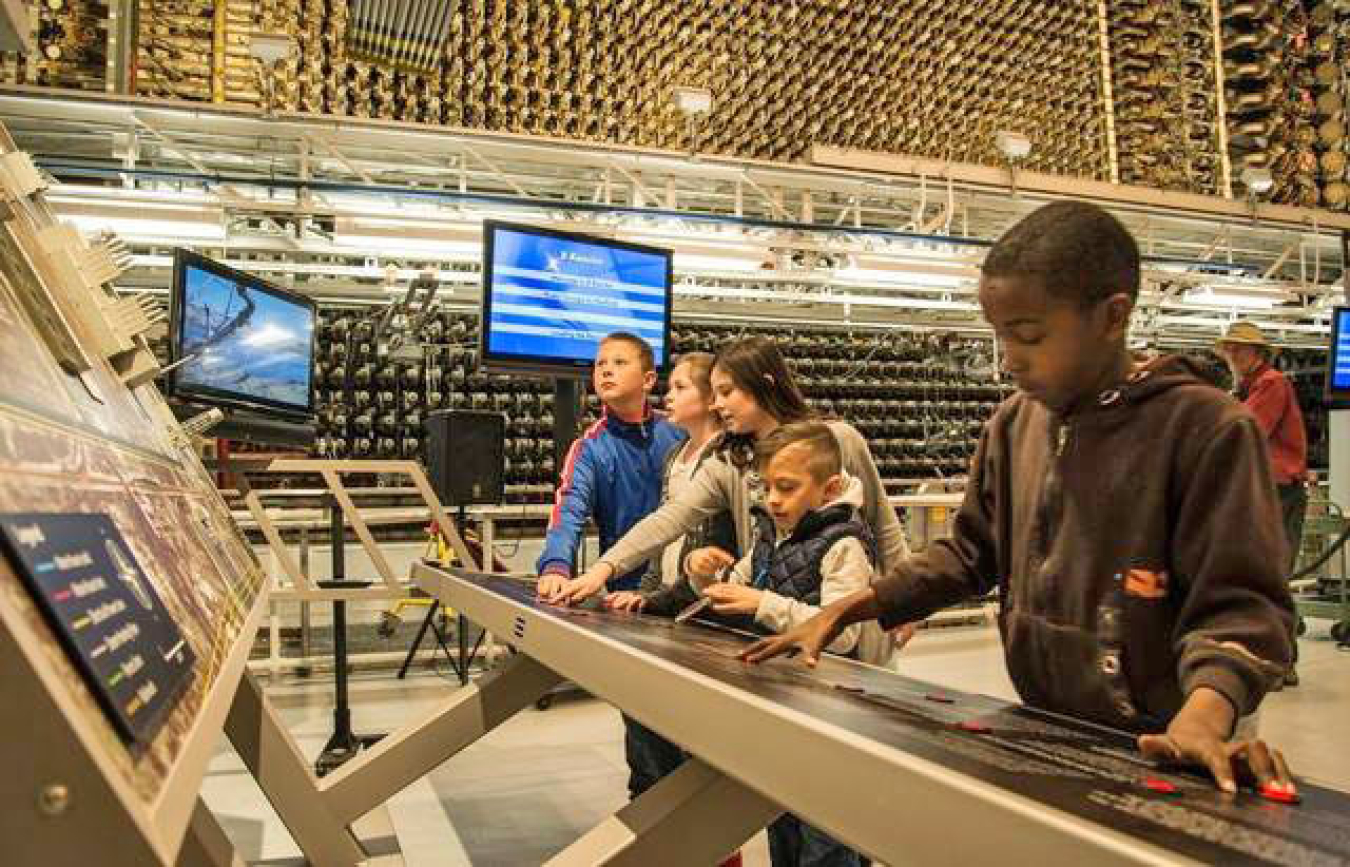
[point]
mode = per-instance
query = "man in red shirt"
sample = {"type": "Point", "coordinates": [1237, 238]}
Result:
{"type": "Point", "coordinates": [1270, 397]}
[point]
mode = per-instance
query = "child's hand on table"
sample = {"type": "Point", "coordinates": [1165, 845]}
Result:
{"type": "Point", "coordinates": [625, 600]}
{"type": "Point", "coordinates": [1198, 735]}
{"type": "Point", "coordinates": [733, 598]}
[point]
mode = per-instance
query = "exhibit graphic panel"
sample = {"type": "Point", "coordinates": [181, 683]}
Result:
{"type": "Point", "coordinates": [106, 611]}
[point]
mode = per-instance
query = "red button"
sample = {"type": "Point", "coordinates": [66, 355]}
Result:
{"type": "Point", "coordinates": [1161, 786]}
{"type": "Point", "coordinates": [972, 726]}
{"type": "Point", "coordinates": [1284, 796]}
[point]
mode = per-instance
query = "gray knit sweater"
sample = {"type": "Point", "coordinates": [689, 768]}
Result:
{"type": "Point", "coordinates": [718, 486]}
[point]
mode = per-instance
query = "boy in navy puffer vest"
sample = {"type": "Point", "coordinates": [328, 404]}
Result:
{"type": "Point", "coordinates": [812, 547]}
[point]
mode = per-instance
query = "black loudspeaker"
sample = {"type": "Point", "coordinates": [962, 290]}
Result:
{"type": "Point", "coordinates": [464, 456]}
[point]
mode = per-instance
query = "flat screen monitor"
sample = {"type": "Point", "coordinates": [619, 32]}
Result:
{"type": "Point", "coordinates": [1338, 360]}
{"type": "Point", "coordinates": [243, 342]}
{"type": "Point", "coordinates": [550, 297]}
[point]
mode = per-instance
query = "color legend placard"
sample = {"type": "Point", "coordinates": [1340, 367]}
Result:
{"type": "Point", "coordinates": [99, 602]}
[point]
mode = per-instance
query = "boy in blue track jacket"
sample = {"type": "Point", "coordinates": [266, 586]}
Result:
{"type": "Point", "coordinates": [613, 472]}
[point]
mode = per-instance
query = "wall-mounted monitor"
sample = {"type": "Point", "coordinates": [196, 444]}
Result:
{"type": "Point", "coordinates": [1338, 360]}
{"type": "Point", "coordinates": [550, 297]}
{"type": "Point", "coordinates": [243, 343]}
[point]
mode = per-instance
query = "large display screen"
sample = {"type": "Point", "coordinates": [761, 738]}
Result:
{"type": "Point", "coordinates": [550, 297]}
{"type": "Point", "coordinates": [244, 342]}
{"type": "Point", "coordinates": [1338, 360]}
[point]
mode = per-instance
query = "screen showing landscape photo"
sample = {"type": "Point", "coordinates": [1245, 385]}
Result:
{"type": "Point", "coordinates": [247, 342]}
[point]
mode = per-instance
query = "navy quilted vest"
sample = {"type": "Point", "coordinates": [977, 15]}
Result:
{"type": "Point", "coordinates": [792, 568]}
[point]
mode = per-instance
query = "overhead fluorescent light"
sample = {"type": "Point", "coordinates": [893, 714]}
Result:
{"type": "Point", "coordinates": [156, 227]}
{"type": "Point", "coordinates": [716, 264]}
{"type": "Point", "coordinates": [1209, 298]}
{"type": "Point", "coordinates": [746, 293]}
{"type": "Point", "coordinates": [381, 237]}
{"type": "Point", "coordinates": [1243, 297]}
{"type": "Point", "coordinates": [913, 276]}
{"type": "Point", "coordinates": [1221, 323]}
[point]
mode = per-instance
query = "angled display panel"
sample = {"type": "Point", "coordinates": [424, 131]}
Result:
{"type": "Point", "coordinates": [79, 443]}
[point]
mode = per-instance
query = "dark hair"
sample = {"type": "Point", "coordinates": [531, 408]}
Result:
{"type": "Point", "coordinates": [757, 368]}
{"type": "Point", "coordinates": [644, 349]}
{"type": "Point", "coordinates": [1075, 250]}
{"type": "Point", "coordinates": [823, 456]}
{"type": "Point", "coordinates": [700, 370]}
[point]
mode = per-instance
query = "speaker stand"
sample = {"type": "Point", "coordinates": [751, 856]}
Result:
{"type": "Point", "coordinates": [429, 622]}
{"type": "Point", "coordinates": [344, 743]}
{"type": "Point", "coordinates": [566, 414]}
{"type": "Point", "coordinates": [466, 656]}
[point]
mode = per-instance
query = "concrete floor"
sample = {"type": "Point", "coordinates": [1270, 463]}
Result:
{"type": "Point", "coordinates": [541, 780]}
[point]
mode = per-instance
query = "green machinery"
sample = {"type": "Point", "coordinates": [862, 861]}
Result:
{"type": "Point", "coordinates": [1325, 592]}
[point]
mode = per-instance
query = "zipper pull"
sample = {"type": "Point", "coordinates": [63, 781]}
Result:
{"type": "Point", "coordinates": [1061, 439]}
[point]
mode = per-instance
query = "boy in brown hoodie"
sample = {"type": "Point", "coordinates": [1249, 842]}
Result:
{"type": "Point", "coordinates": [1126, 513]}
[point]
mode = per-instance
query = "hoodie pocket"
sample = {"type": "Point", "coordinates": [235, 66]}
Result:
{"type": "Point", "coordinates": [1059, 668]}
{"type": "Point", "coordinates": [1149, 657]}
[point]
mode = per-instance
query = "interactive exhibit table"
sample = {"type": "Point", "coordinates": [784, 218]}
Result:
{"type": "Point", "coordinates": [903, 771]}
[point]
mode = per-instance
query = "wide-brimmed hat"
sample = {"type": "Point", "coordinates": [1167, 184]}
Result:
{"type": "Point", "coordinates": [1247, 334]}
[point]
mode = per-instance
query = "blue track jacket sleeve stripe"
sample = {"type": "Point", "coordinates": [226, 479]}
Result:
{"type": "Point", "coordinates": [572, 507]}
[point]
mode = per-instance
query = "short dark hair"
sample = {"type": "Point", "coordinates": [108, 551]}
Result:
{"type": "Point", "coordinates": [823, 455]}
{"type": "Point", "coordinates": [644, 349]}
{"type": "Point", "coordinates": [1077, 252]}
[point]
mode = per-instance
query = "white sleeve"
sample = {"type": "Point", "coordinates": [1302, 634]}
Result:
{"type": "Point", "coordinates": [844, 569]}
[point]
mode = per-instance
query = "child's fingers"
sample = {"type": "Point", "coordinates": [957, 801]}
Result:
{"type": "Point", "coordinates": [1159, 748]}
{"type": "Point", "coordinates": [707, 561]}
{"type": "Point", "coordinates": [901, 635]}
{"type": "Point", "coordinates": [1261, 763]}
{"type": "Point", "coordinates": [765, 648]}
{"type": "Point", "coordinates": [1282, 773]}
{"type": "Point", "coordinates": [1221, 767]}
